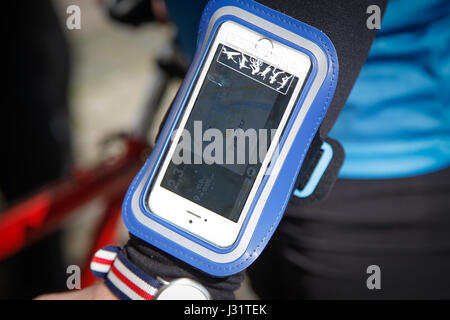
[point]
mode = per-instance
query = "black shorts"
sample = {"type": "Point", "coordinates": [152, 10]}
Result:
{"type": "Point", "coordinates": [323, 251]}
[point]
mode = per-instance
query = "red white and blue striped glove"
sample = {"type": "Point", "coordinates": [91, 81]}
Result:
{"type": "Point", "coordinates": [122, 277]}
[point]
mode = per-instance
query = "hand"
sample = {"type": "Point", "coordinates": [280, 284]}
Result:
{"type": "Point", "coordinates": [96, 292]}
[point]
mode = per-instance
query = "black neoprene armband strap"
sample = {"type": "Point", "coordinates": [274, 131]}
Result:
{"type": "Point", "coordinates": [344, 22]}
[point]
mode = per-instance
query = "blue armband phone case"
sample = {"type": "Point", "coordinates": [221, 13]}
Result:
{"type": "Point", "coordinates": [273, 194]}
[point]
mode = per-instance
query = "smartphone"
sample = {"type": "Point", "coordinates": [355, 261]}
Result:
{"type": "Point", "coordinates": [249, 82]}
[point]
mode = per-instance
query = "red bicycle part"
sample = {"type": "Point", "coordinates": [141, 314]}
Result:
{"type": "Point", "coordinates": [44, 212]}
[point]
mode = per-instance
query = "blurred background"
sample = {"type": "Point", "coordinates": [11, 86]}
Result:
{"type": "Point", "coordinates": [113, 67]}
{"type": "Point", "coordinates": [71, 92]}
{"type": "Point", "coordinates": [103, 73]}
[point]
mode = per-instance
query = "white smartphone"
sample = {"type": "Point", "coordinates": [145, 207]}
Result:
{"type": "Point", "coordinates": [247, 82]}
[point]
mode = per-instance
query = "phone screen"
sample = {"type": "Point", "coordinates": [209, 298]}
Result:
{"type": "Point", "coordinates": [238, 92]}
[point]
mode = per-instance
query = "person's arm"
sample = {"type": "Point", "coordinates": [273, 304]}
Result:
{"type": "Point", "coordinates": [344, 22]}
